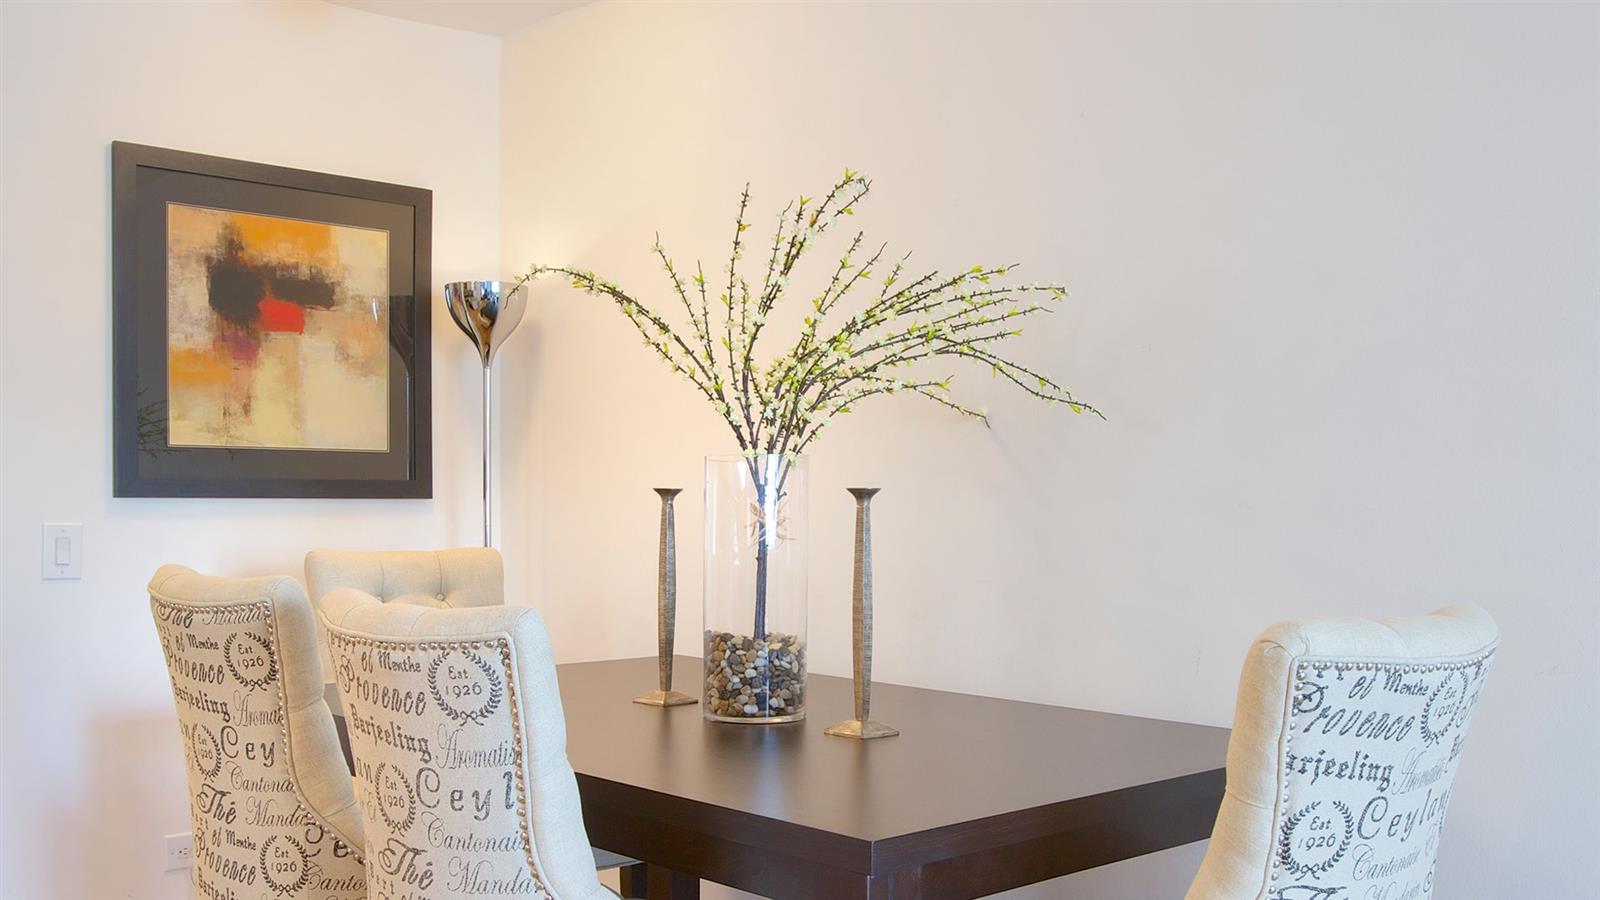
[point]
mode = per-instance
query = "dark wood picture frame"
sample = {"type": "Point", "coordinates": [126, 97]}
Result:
{"type": "Point", "coordinates": [143, 181]}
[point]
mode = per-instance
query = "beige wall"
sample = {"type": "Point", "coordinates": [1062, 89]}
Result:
{"type": "Point", "coordinates": [93, 769]}
{"type": "Point", "coordinates": [1336, 284]}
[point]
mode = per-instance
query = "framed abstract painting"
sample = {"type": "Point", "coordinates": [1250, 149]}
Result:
{"type": "Point", "coordinates": [271, 330]}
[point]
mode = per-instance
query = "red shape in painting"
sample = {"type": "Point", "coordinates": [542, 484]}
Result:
{"type": "Point", "coordinates": [281, 315]}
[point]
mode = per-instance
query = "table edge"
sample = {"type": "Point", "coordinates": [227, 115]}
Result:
{"type": "Point", "coordinates": [1034, 822]}
{"type": "Point", "coordinates": [764, 832]}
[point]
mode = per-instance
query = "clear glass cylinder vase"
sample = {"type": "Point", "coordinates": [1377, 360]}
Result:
{"type": "Point", "coordinates": [755, 589]}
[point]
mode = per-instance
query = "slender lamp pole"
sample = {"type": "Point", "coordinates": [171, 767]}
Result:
{"type": "Point", "coordinates": [488, 453]}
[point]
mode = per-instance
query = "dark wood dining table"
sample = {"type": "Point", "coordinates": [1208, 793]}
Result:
{"type": "Point", "coordinates": [975, 796]}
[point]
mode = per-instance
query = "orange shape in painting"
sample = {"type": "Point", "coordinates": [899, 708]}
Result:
{"type": "Point", "coordinates": [281, 315]}
{"type": "Point", "coordinates": [266, 239]}
{"type": "Point", "coordinates": [195, 367]}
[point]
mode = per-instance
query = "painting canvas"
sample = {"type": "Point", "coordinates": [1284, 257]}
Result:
{"type": "Point", "coordinates": [277, 332]}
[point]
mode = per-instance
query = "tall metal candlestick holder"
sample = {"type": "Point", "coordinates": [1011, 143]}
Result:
{"type": "Point", "coordinates": [862, 727]}
{"type": "Point", "coordinates": [666, 608]}
{"type": "Point", "coordinates": [486, 312]}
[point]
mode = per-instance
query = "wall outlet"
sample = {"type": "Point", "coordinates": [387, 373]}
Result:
{"type": "Point", "coordinates": [180, 851]}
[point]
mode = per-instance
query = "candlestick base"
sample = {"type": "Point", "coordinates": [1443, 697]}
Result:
{"type": "Point", "coordinates": [861, 731]}
{"type": "Point", "coordinates": [664, 698]}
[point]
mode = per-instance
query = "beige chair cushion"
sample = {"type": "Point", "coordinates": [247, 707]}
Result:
{"type": "Point", "coordinates": [273, 810]}
{"type": "Point", "coordinates": [1345, 744]}
{"type": "Point", "coordinates": [460, 744]}
{"type": "Point", "coordinates": [434, 579]}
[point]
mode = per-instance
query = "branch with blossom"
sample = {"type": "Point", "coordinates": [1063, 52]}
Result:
{"type": "Point", "coordinates": [777, 408]}
{"type": "Point", "coordinates": [838, 361]}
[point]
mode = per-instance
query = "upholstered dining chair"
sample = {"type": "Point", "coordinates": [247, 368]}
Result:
{"type": "Point", "coordinates": [273, 811]}
{"type": "Point", "coordinates": [434, 579]}
{"type": "Point", "coordinates": [459, 740]}
{"type": "Point", "coordinates": [1345, 743]}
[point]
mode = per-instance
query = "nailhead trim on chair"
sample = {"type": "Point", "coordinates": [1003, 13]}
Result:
{"type": "Point", "coordinates": [1302, 667]}
{"type": "Point", "coordinates": [504, 646]}
{"type": "Point", "coordinates": [283, 705]}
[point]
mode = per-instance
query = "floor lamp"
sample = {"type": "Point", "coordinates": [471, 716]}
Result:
{"type": "Point", "coordinates": [487, 312]}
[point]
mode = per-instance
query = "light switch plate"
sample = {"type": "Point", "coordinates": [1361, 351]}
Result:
{"type": "Point", "coordinates": [61, 555]}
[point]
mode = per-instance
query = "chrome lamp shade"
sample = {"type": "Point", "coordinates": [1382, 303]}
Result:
{"type": "Point", "coordinates": [486, 312]}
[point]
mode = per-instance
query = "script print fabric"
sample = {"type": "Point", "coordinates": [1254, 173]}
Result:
{"type": "Point", "coordinates": [437, 742]}
{"type": "Point", "coordinates": [1370, 755]}
{"type": "Point", "coordinates": [253, 836]}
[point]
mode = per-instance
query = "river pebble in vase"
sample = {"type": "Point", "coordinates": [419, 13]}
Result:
{"type": "Point", "coordinates": [755, 589]}
{"type": "Point", "coordinates": [746, 678]}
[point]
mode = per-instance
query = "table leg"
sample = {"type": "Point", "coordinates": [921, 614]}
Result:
{"type": "Point", "coordinates": [632, 880]}
{"type": "Point", "coordinates": [662, 883]}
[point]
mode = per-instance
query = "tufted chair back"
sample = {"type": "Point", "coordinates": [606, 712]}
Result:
{"type": "Point", "coordinates": [433, 579]}
{"type": "Point", "coordinates": [460, 745]}
{"type": "Point", "coordinates": [272, 808]}
{"type": "Point", "coordinates": [1344, 748]}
